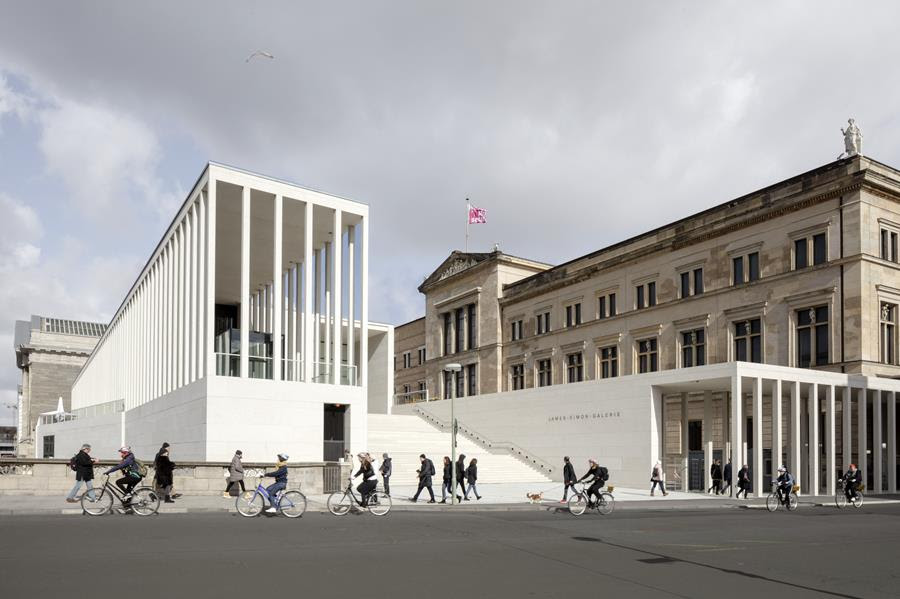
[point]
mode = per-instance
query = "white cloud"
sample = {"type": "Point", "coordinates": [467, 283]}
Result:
{"type": "Point", "coordinates": [20, 230]}
{"type": "Point", "coordinates": [13, 102]}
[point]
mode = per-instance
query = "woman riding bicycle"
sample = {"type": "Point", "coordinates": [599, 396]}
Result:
{"type": "Point", "coordinates": [281, 477]}
{"type": "Point", "coordinates": [598, 476]}
{"type": "Point", "coordinates": [370, 480]}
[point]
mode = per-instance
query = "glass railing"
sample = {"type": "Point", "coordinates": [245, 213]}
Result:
{"type": "Point", "coordinates": [291, 370]}
{"type": "Point", "coordinates": [228, 364]}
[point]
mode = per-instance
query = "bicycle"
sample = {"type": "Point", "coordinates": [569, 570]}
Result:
{"type": "Point", "coordinates": [580, 502]}
{"type": "Point", "coordinates": [773, 500]}
{"type": "Point", "coordinates": [144, 500]}
{"type": "Point", "coordinates": [341, 502]}
{"type": "Point", "coordinates": [290, 503]}
{"type": "Point", "coordinates": [840, 497]}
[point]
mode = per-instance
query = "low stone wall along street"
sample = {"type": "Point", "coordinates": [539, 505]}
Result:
{"type": "Point", "coordinates": [54, 477]}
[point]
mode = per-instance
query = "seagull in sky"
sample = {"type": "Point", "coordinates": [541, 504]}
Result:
{"type": "Point", "coordinates": [259, 53]}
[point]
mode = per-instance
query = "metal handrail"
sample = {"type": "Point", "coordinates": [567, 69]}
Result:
{"type": "Point", "coordinates": [512, 448]}
{"type": "Point", "coordinates": [409, 397]}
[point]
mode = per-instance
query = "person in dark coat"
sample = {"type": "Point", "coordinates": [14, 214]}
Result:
{"type": "Point", "coordinates": [715, 472]}
{"type": "Point", "coordinates": [472, 476]}
{"type": "Point", "coordinates": [461, 476]}
{"type": "Point", "coordinates": [386, 470]}
{"type": "Point", "coordinates": [569, 479]}
{"type": "Point", "coordinates": [726, 484]}
{"type": "Point", "coordinates": [235, 473]}
{"type": "Point", "coordinates": [743, 481]}
{"type": "Point", "coordinates": [370, 478]}
{"type": "Point", "coordinates": [164, 469]}
{"type": "Point", "coordinates": [425, 472]}
{"type": "Point", "coordinates": [446, 480]}
{"type": "Point", "coordinates": [84, 473]}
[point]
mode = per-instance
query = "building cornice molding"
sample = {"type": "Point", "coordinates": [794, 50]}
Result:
{"type": "Point", "coordinates": [458, 297]}
{"type": "Point", "coordinates": [806, 296]}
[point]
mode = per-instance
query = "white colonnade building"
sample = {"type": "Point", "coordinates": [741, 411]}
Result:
{"type": "Point", "coordinates": [247, 328]}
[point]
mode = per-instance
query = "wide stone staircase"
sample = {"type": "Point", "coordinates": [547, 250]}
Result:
{"type": "Point", "coordinates": [404, 437]}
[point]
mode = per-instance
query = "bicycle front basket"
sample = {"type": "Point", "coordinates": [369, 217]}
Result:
{"type": "Point", "coordinates": [796, 488]}
{"type": "Point", "coordinates": [610, 488]}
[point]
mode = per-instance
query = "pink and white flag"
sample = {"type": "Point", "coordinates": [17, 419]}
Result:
{"type": "Point", "coordinates": [477, 216]}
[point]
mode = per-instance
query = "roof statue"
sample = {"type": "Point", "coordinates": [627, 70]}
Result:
{"type": "Point", "coordinates": [852, 140]}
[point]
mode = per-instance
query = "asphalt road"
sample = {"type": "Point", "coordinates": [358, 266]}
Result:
{"type": "Point", "coordinates": [814, 552]}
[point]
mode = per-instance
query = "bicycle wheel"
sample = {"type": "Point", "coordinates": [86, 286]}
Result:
{"type": "Point", "coordinates": [102, 504]}
{"type": "Point", "coordinates": [858, 501]}
{"type": "Point", "coordinates": [379, 503]}
{"type": "Point", "coordinates": [577, 504]}
{"type": "Point", "coordinates": [792, 502]}
{"type": "Point", "coordinates": [249, 503]}
{"type": "Point", "coordinates": [606, 504]}
{"type": "Point", "coordinates": [840, 500]}
{"type": "Point", "coordinates": [144, 502]}
{"type": "Point", "coordinates": [772, 502]}
{"type": "Point", "coordinates": [293, 504]}
{"type": "Point", "coordinates": [339, 503]}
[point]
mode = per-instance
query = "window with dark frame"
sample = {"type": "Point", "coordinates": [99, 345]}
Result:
{"type": "Point", "coordinates": [693, 348]}
{"type": "Point", "coordinates": [737, 270]}
{"type": "Point", "coordinates": [748, 340]}
{"type": "Point", "coordinates": [573, 315]}
{"type": "Point", "coordinates": [517, 377]}
{"type": "Point", "coordinates": [812, 336]}
{"type": "Point", "coordinates": [889, 245]}
{"type": "Point", "coordinates": [421, 356]}
{"type": "Point", "coordinates": [820, 249]}
{"type": "Point", "coordinates": [460, 329]}
{"type": "Point", "coordinates": [800, 260]}
{"type": "Point", "coordinates": [49, 446]}
{"type": "Point", "coordinates": [516, 330]}
{"type": "Point", "coordinates": [639, 297]}
{"type": "Point", "coordinates": [612, 304]}
{"type": "Point", "coordinates": [601, 307]}
{"type": "Point", "coordinates": [698, 281]}
{"type": "Point", "coordinates": [609, 362]}
{"type": "Point", "coordinates": [473, 328]}
{"type": "Point", "coordinates": [448, 328]}
{"type": "Point", "coordinates": [648, 355]}
{"type": "Point", "coordinates": [542, 322]}
{"type": "Point", "coordinates": [574, 367]}
{"type": "Point", "coordinates": [471, 380]}
{"type": "Point", "coordinates": [461, 383]}
{"type": "Point", "coordinates": [448, 384]}
{"type": "Point", "coordinates": [545, 372]}
{"type": "Point", "coordinates": [685, 284]}
{"type": "Point", "coordinates": [651, 293]}
{"type": "Point", "coordinates": [753, 266]}
{"type": "Point", "coordinates": [888, 320]}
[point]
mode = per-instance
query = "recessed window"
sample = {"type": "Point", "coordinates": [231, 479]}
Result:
{"type": "Point", "coordinates": [691, 282]}
{"type": "Point", "coordinates": [516, 330]}
{"type": "Point", "coordinates": [574, 367]}
{"type": "Point", "coordinates": [573, 315]}
{"type": "Point", "coordinates": [606, 306]}
{"type": "Point", "coordinates": [693, 348]}
{"type": "Point", "coordinates": [473, 327]}
{"type": "Point", "coordinates": [517, 377]}
{"type": "Point", "coordinates": [460, 329]}
{"type": "Point", "coordinates": [745, 269]}
{"type": "Point", "coordinates": [814, 247]}
{"type": "Point", "coordinates": [748, 340]}
{"type": "Point", "coordinates": [448, 335]}
{"type": "Point", "coordinates": [889, 245]}
{"type": "Point", "coordinates": [407, 359]}
{"type": "Point", "coordinates": [471, 379]}
{"type": "Point", "coordinates": [542, 323]}
{"type": "Point", "coordinates": [753, 266]}
{"type": "Point", "coordinates": [645, 295]}
{"type": "Point", "coordinates": [648, 355]}
{"type": "Point", "coordinates": [421, 356]}
{"type": "Point", "coordinates": [888, 320]}
{"type": "Point", "coordinates": [812, 336]}
{"type": "Point", "coordinates": [609, 362]}
{"type": "Point", "coordinates": [545, 372]}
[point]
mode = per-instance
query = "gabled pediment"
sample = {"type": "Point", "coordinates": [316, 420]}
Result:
{"type": "Point", "coordinates": [455, 263]}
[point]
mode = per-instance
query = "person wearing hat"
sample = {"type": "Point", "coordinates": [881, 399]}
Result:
{"type": "Point", "coordinates": [598, 476]}
{"type": "Point", "coordinates": [280, 474]}
{"type": "Point", "coordinates": [386, 470]}
{"type": "Point", "coordinates": [852, 481]}
{"type": "Point", "coordinates": [785, 484]}
{"type": "Point", "coordinates": [131, 474]}
{"type": "Point", "coordinates": [235, 473]}
{"type": "Point", "coordinates": [83, 465]}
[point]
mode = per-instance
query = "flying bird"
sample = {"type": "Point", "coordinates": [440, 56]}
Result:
{"type": "Point", "coordinates": [259, 53]}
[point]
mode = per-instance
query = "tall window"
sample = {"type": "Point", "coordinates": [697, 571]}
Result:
{"type": "Point", "coordinates": [609, 362]}
{"type": "Point", "coordinates": [889, 245]}
{"type": "Point", "coordinates": [461, 383]}
{"type": "Point", "coordinates": [574, 368]}
{"type": "Point", "coordinates": [448, 337]}
{"type": "Point", "coordinates": [806, 246]}
{"type": "Point", "coordinates": [422, 389]}
{"type": "Point", "coordinates": [421, 356]}
{"type": "Point", "coordinates": [545, 372]}
{"type": "Point", "coordinates": [645, 295]}
{"type": "Point", "coordinates": [407, 359]}
{"type": "Point", "coordinates": [516, 330]}
{"type": "Point", "coordinates": [888, 333]}
{"type": "Point", "coordinates": [685, 284]}
{"type": "Point", "coordinates": [473, 328]}
{"type": "Point", "coordinates": [753, 266]}
{"type": "Point", "coordinates": [573, 315]}
{"type": "Point", "coordinates": [693, 348]}
{"type": "Point", "coordinates": [748, 340]}
{"type": "Point", "coordinates": [448, 384]}
{"type": "Point", "coordinates": [517, 376]}
{"type": "Point", "coordinates": [460, 329]}
{"type": "Point", "coordinates": [648, 355]}
{"type": "Point", "coordinates": [698, 281]}
{"type": "Point", "coordinates": [651, 293]}
{"type": "Point", "coordinates": [812, 336]}
{"type": "Point", "coordinates": [542, 323]}
{"type": "Point", "coordinates": [49, 446]}
{"type": "Point", "coordinates": [801, 259]}
{"type": "Point", "coordinates": [691, 282]}
{"type": "Point", "coordinates": [745, 268]}
{"type": "Point", "coordinates": [471, 379]}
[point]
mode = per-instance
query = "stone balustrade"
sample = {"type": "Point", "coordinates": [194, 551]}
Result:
{"type": "Point", "coordinates": [53, 477]}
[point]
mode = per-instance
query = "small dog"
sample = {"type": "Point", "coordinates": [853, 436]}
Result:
{"type": "Point", "coordinates": [535, 497]}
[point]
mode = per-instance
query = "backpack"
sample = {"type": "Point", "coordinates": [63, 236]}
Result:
{"type": "Point", "coordinates": [139, 469]}
{"type": "Point", "coordinates": [430, 468]}
{"type": "Point", "coordinates": [72, 464]}
{"type": "Point", "coordinates": [604, 473]}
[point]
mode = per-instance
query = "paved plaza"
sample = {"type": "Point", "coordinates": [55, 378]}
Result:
{"type": "Point", "coordinates": [813, 552]}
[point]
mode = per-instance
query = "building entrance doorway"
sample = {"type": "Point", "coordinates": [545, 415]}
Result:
{"type": "Point", "coordinates": [333, 432]}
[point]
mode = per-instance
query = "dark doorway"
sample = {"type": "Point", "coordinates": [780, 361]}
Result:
{"type": "Point", "coordinates": [695, 435]}
{"type": "Point", "coordinates": [334, 432]}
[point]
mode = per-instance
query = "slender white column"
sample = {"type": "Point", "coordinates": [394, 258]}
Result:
{"type": "Point", "coordinates": [364, 299]}
{"type": "Point", "coordinates": [777, 424]}
{"type": "Point", "coordinates": [877, 451]}
{"type": "Point", "coordinates": [183, 341]}
{"type": "Point", "coordinates": [308, 294]}
{"type": "Point", "coordinates": [892, 441]}
{"type": "Point", "coordinates": [846, 429]}
{"type": "Point", "coordinates": [813, 407]}
{"type": "Point", "coordinates": [245, 282]}
{"type": "Point", "coordinates": [294, 292]}
{"type": "Point", "coordinates": [201, 320]}
{"type": "Point", "coordinates": [862, 429]}
{"type": "Point", "coordinates": [707, 440]}
{"type": "Point", "coordinates": [737, 420]}
{"type": "Point", "coordinates": [830, 453]}
{"type": "Point", "coordinates": [179, 306]}
{"type": "Point", "coordinates": [277, 293]}
{"type": "Point", "coordinates": [757, 437]}
{"type": "Point", "coordinates": [336, 294]}
{"type": "Point", "coordinates": [351, 291]}
{"type": "Point", "coordinates": [328, 272]}
{"type": "Point", "coordinates": [685, 441]}
{"type": "Point", "coordinates": [795, 428]}
{"type": "Point", "coordinates": [170, 317]}
{"type": "Point", "coordinates": [316, 323]}
{"type": "Point", "coordinates": [192, 302]}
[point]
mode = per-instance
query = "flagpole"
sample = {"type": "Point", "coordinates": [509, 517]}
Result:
{"type": "Point", "coordinates": [468, 209]}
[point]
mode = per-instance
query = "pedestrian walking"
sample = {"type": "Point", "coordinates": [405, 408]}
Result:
{"type": "Point", "coordinates": [460, 476]}
{"type": "Point", "coordinates": [569, 478]}
{"type": "Point", "coordinates": [83, 465]}
{"type": "Point", "coordinates": [235, 473]}
{"type": "Point", "coordinates": [472, 477]}
{"type": "Point", "coordinates": [657, 477]}
{"type": "Point", "coordinates": [743, 481]}
{"type": "Point", "coordinates": [715, 473]}
{"type": "Point", "coordinates": [425, 472]}
{"type": "Point", "coordinates": [386, 471]}
{"type": "Point", "coordinates": [446, 480]}
{"type": "Point", "coordinates": [726, 483]}
{"type": "Point", "coordinates": [156, 486]}
{"type": "Point", "coordinates": [164, 470]}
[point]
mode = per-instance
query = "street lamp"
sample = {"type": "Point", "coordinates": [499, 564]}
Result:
{"type": "Point", "coordinates": [454, 368]}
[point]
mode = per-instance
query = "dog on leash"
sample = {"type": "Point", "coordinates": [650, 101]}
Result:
{"type": "Point", "coordinates": [534, 497]}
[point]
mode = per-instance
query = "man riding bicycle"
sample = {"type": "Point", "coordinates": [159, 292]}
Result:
{"type": "Point", "coordinates": [785, 484]}
{"type": "Point", "coordinates": [852, 481]}
{"type": "Point", "coordinates": [281, 477]}
{"type": "Point", "coordinates": [131, 474]}
{"type": "Point", "coordinates": [598, 476]}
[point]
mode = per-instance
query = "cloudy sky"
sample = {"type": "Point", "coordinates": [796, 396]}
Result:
{"type": "Point", "coordinates": [575, 124]}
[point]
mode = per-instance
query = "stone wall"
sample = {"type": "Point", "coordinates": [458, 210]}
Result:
{"type": "Point", "coordinates": [54, 477]}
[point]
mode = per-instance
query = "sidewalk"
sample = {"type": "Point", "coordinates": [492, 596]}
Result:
{"type": "Point", "coordinates": [495, 497]}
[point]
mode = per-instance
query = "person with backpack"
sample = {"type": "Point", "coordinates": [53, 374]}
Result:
{"type": "Point", "coordinates": [472, 476]}
{"type": "Point", "coordinates": [657, 477]}
{"type": "Point", "coordinates": [598, 476]}
{"type": "Point", "coordinates": [164, 471]}
{"type": "Point", "coordinates": [83, 465]}
{"type": "Point", "coordinates": [281, 478]}
{"type": "Point", "coordinates": [132, 473]}
{"type": "Point", "coordinates": [425, 472]}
